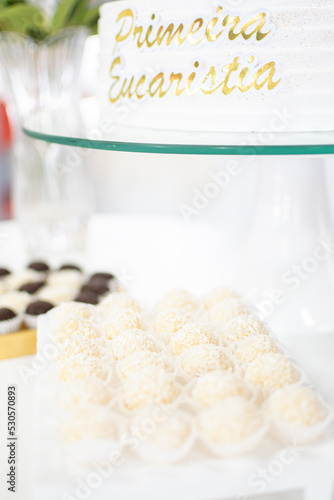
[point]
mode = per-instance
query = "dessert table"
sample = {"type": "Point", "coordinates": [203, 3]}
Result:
{"type": "Point", "coordinates": [138, 240]}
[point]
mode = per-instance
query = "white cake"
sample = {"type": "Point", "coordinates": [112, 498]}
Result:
{"type": "Point", "coordinates": [246, 65]}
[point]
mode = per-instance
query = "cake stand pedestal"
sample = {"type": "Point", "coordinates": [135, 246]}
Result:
{"type": "Point", "coordinates": [287, 257]}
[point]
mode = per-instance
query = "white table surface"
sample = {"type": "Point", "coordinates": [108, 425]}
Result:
{"type": "Point", "coordinates": [153, 255]}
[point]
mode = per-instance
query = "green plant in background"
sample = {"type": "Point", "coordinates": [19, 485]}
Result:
{"type": "Point", "coordinates": [25, 18]}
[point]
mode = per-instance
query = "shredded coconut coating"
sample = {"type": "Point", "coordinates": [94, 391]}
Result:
{"type": "Point", "coordinates": [205, 358]}
{"type": "Point", "coordinates": [69, 309]}
{"type": "Point", "coordinates": [170, 321]}
{"type": "Point", "coordinates": [115, 302]}
{"type": "Point", "coordinates": [226, 310]}
{"type": "Point", "coordinates": [18, 301]}
{"type": "Point", "coordinates": [231, 421]}
{"type": "Point", "coordinates": [80, 345]}
{"type": "Point", "coordinates": [242, 327]}
{"type": "Point", "coordinates": [82, 392]}
{"type": "Point", "coordinates": [253, 347]}
{"type": "Point", "coordinates": [75, 326]}
{"type": "Point", "coordinates": [297, 405]}
{"type": "Point", "coordinates": [272, 370]}
{"type": "Point", "coordinates": [130, 342]}
{"type": "Point", "coordinates": [73, 369]}
{"type": "Point", "coordinates": [217, 295]}
{"type": "Point", "coordinates": [123, 320]}
{"type": "Point", "coordinates": [190, 335]}
{"type": "Point", "coordinates": [93, 423]}
{"type": "Point", "coordinates": [178, 299]}
{"type": "Point", "coordinates": [152, 385]}
{"type": "Point", "coordinates": [140, 360]}
{"type": "Point", "coordinates": [216, 386]}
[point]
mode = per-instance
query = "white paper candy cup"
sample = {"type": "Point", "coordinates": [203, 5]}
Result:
{"type": "Point", "coordinates": [155, 452]}
{"type": "Point", "coordinates": [247, 445]}
{"type": "Point", "coordinates": [291, 433]}
{"type": "Point", "coordinates": [10, 325]}
{"type": "Point", "coordinates": [91, 451]}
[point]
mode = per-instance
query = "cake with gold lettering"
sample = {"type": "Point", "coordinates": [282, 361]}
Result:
{"type": "Point", "coordinates": [218, 66]}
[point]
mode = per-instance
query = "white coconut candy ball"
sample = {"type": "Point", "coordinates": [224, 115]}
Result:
{"type": "Point", "coordinates": [218, 295]}
{"type": "Point", "coordinates": [255, 346]}
{"type": "Point", "coordinates": [205, 358]}
{"type": "Point", "coordinates": [130, 342]}
{"type": "Point", "coordinates": [190, 335]}
{"type": "Point", "coordinates": [297, 405]}
{"type": "Point", "coordinates": [93, 423]}
{"type": "Point", "coordinates": [73, 327]}
{"type": "Point", "coordinates": [217, 386]}
{"type": "Point", "coordinates": [272, 370]}
{"type": "Point", "coordinates": [140, 360]}
{"type": "Point", "coordinates": [231, 421]}
{"type": "Point", "coordinates": [83, 392]}
{"type": "Point", "coordinates": [74, 368]}
{"type": "Point", "coordinates": [122, 320]}
{"type": "Point", "coordinates": [170, 321]}
{"type": "Point", "coordinates": [172, 433]}
{"type": "Point", "coordinates": [116, 302]}
{"type": "Point", "coordinates": [70, 309]}
{"type": "Point", "coordinates": [80, 346]}
{"type": "Point", "coordinates": [242, 327]}
{"type": "Point", "coordinates": [178, 299]}
{"type": "Point", "coordinates": [226, 310]}
{"type": "Point", "coordinates": [152, 385]}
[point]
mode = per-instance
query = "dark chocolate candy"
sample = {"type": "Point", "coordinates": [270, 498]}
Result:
{"type": "Point", "coordinates": [87, 297]}
{"type": "Point", "coordinates": [39, 266]}
{"type": "Point", "coordinates": [39, 307]}
{"type": "Point", "coordinates": [98, 288]}
{"type": "Point", "coordinates": [7, 314]}
{"type": "Point", "coordinates": [105, 276]}
{"type": "Point", "coordinates": [4, 272]}
{"type": "Point", "coordinates": [32, 287]}
{"type": "Point", "coordinates": [70, 267]}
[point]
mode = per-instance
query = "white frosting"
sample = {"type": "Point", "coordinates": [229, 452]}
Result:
{"type": "Point", "coordinates": [300, 43]}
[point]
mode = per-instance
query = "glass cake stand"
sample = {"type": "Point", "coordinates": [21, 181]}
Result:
{"type": "Point", "coordinates": [287, 263]}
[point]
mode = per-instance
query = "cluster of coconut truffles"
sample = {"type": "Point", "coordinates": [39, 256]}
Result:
{"type": "Point", "coordinates": [185, 371]}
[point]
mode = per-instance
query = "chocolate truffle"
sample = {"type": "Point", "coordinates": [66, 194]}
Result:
{"type": "Point", "coordinates": [32, 288]}
{"type": "Point", "coordinates": [70, 267]}
{"type": "Point", "coordinates": [4, 272]}
{"type": "Point", "coordinates": [99, 289]}
{"type": "Point", "coordinates": [87, 297]}
{"type": "Point", "coordinates": [39, 307]}
{"type": "Point", "coordinates": [7, 314]}
{"type": "Point", "coordinates": [105, 276]}
{"type": "Point", "coordinates": [38, 266]}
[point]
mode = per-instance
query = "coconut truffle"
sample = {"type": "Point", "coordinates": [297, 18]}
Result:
{"type": "Point", "coordinates": [73, 327]}
{"type": "Point", "coordinates": [71, 309]}
{"type": "Point", "coordinates": [77, 368]}
{"type": "Point", "coordinates": [226, 310]}
{"type": "Point", "coordinates": [205, 358]}
{"type": "Point", "coordinates": [297, 405]}
{"type": "Point", "coordinates": [173, 433]}
{"type": "Point", "coordinates": [132, 341]}
{"type": "Point", "coordinates": [18, 301]}
{"type": "Point", "coordinates": [123, 320]}
{"type": "Point", "coordinates": [272, 370]}
{"type": "Point", "coordinates": [211, 299]}
{"type": "Point", "coordinates": [95, 422]}
{"type": "Point", "coordinates": [178, 299]}
{"type": "Point", "coordinates": [152, 385]}
{"type": "Point", "coordinates": [82, 392]}
{"type": "Point", "coordinates": [242, 327]}
{"type": "Point", "coordinates": [116, 302]}
{"type": "Point", "coordinates": [140, 360]}
{"type": "Point", "coordinates": [170, 321]}
{"type": "Point", "coordinates": [230, 421]}
{"type": "Point", "coordinates": [253, 347]}
{"type": "Point", "coordinates": [216, 386]}
{"type": "Point", "coordinates": [79, 346]}
{"type": "Point", "coordinates": [190, 335]}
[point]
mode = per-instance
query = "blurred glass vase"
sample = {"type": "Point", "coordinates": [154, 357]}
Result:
{"type": "Point", "coordinates": [52, 200]}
